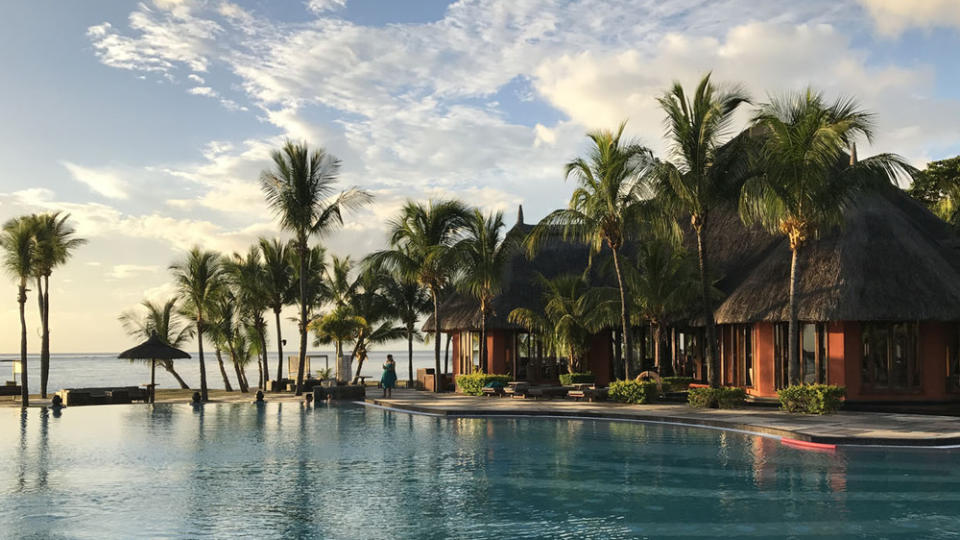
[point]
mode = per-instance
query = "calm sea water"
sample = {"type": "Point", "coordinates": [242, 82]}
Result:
{"type": "Point", "coordinates": [80, 370]}
{"type": "Point", "coordinates": [340, 471]}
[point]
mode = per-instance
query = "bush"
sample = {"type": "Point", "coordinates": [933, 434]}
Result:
{"type": "Point", "coordinates": [633, 391]}
{"type": "Point", "coordinates": [716, 398]}
{"type": "Point", "coordinates": [473, 384]}
{"type": "Point", "coordinates": [812, 398]}
{"type": "Point", "coordinates": [676, 384]}
{"type": "Point", "coordinates": [577, 378]}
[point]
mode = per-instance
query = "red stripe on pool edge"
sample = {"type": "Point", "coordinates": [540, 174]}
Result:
{"type": "Point", "coordinates": [808, 444]}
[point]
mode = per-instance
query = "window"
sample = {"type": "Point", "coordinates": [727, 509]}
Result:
{"type": "Point", "coordinates": [890, 357]}
{"type": "Point", "coordinates": [469, 353]}
{"type": "Point", "coordinates": [812, 349]}
{"type": "Point", "coordinates": [742, 350]}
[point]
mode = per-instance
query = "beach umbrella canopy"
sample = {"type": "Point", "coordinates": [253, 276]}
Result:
{"type": "Point", "coordinates": [153, 349]}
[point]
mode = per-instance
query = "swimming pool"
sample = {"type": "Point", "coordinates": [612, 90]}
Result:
{"type": "Point", "coordinates": [348, 471]}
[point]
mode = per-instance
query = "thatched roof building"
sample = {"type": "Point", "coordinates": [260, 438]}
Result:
{"type": "Point", "coordinates": [892, 260]}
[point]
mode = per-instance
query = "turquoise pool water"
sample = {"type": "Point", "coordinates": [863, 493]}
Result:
{"type": "Point", "coordinates": [285, 471]}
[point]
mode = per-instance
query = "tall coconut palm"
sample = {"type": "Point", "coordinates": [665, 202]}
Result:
{"type": "Point", "coordinates": [165, 322]}
{"type": "Point", "coordinates": [55, 241]}
{"type": "Point", "coordinates": [340, 289]}
{"type": "Point", "coordinates": [423, 242]}
{"type": "Point", "coordinates": [808, 178]}
{"type": "Point", "coordinates": [704, 171]}
{"type": "Point", "coordinates": [610, 199]}
{"type": "Point", "coordinates": [300, 191]}
{"type": "Point", "coordinates": [572, 313]}
{"type": "Point", "coordinates": [248, 278]}
{"type": "Point", "coordinates": [486, 253]}
{"type": "Point", "coordinates": [409, 300]}
{"type": "Point", "coordinates": [663, 282]}
{"type": "Point", "coordinates": [18, 242]}
{"type": "Point", "coordinates": [278, 288]}
{"type": "Point", "coordinates": [340, 326]}
{"type": "Point", "coordinates": [199, 279]}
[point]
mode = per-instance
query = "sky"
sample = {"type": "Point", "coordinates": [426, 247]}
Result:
{"type": "Point", "coordinates": [149, 123]}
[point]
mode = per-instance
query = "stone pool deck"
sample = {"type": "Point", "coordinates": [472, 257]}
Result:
{"type": "Point", "coordinates": [848, 428]}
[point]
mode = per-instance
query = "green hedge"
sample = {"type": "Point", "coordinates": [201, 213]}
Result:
{"type": "Point", "coordinates": [473, 384]}
{"type": "Point", "coordinates": [633, 391]}
{"type": "Point", "coordinates": [577, 378]}
{"type": "Point", "coordinates": [716, 398]}
{"type": "Point", "coordinates": [676, 384]}
{"type": "Point", "coordinates": [812, 398]}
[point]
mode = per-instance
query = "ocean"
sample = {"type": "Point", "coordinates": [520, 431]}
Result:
{"type": "Point", "coordinates": [105, 369]}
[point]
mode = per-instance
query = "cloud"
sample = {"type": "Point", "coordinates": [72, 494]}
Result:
{"type": "Point", "coordinates": [892, 17]}
{"type": "Point", "coordinates": [124, 271]}
{"type": "Point", "coordinates": [202, 91]}
{"type": "Point", "coordinates": [321, 6]}
{"type": "Point", "coordinates": [104, 182]}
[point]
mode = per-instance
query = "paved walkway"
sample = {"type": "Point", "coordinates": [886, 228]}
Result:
{"type": "Point", "coordinates": [861, 428]}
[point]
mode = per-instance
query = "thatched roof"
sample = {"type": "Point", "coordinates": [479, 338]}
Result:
{"type": "Point", "coordinates": [462, 312]}
{"type": "Point", "coordinates": [892, 260]}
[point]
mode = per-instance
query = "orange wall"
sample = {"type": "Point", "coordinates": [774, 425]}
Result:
{"type": "Point", "coordinates": [455, 355]}
{"type": "Point", "coordinates": [764, 375]}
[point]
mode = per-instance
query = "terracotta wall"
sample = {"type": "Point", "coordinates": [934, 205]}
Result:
{"type": "Point", "coordinates": [455, 354]}
{"type": "Point", "coordinates": [764, 373]}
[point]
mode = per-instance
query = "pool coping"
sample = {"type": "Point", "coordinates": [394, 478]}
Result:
{"type": "Point", "coordinates": [688, 419]}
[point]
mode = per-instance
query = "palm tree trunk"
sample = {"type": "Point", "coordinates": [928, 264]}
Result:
{"type": "Point", "coordinates": [241, 378]}
{"type": "Point", "coordinates": [360, 358]}
{"type": "Point", "coordinates": [223, 371]}
{"type": "Point", "coordinates": [24, 387]}
{"type": "Point", "coordinates": [42, 298]}
{"type": "Point", "coordinates": [153, 381]}
{"type": "Point", "coordinates": [657, 359]}
{"type": "Point", "coordinates": [203, 369]}
{"type": "Point", "coordinates": [276, 315]}
{"type": "Point", "coordinates": [168, 365]}
{"type": "Point", "coordinates": [710, 349]}
{"type": "Point", "coordinates": [484, 361]}
{"type": "Point", "coordinates": [793, 340]}
{"type": "Point", "coordinates": [436, 341]}
{"type": "Point", "coordinates": [302, 247]}
{"type": "Point", "coordinates": [262, 334]}
{"type": "Point", "coordinates": [410, 353]}
{"type": "Point", "coordinates": [259, 370]}
{"type": "Point", "coordinates": [628, 352]}
{"type": "Point", "coordinates": [617, 354]}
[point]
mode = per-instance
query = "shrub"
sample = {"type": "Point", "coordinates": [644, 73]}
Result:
{"type": "Point", "coordinates": [473, 384]}
{"type": "Point", "coordinates": [676, 384]}
{"type": "Point", "coordinates": [577, 378]}
{"type": "Point", "coordinates": [812, 398]}
{"type": "Point", "coordinates": [634, 391]}
{"type": "Point", "coordinates": [716, 398]}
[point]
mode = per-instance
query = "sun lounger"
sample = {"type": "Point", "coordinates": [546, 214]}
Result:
{"type": "Point", "coordinates": [492, 389]}
{"type": "Point", "coordinates": [589, 393]}
{"type": "Point", "coordinates": [546, 392]}
{"type": "Point", "coordinates": [517, 389]}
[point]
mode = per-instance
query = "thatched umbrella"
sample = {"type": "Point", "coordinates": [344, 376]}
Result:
{"type": "Point", "coordinates": [153, 349]}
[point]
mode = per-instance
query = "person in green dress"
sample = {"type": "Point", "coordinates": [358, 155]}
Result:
{"type": "Point", "coordinates": [389, 378]}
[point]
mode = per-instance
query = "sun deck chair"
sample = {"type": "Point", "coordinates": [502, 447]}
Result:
{"type": "Point", "coordinates": [493, 388]}
{"type": "Point", "coordinates": [517, 389]}
{"type": "Point", "coordinates": [590, 393]}
{"type": "Point", "coordinates": [546, 392]}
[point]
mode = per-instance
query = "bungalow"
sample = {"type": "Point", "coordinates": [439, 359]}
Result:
{"type": "Point", "coordinates": [879, 309]}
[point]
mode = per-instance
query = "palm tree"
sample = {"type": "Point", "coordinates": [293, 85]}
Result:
{"type": "Point", "coordinates": [609, 200]}
{"type": "Point", "coordinates": [808, 179]}
{"type": "Point", "coordinates": [663, 283]}
{"type": "Point", "coordinates": [423, 241]}
{"type": "Point", "coordinates": [163, 321]}
{"type": "Point", "coordinates": [199, 279]}
{"type": "Point", "coordinates": [409, 300]}
{"type": "Point", "coordinates": [703, 174]}
{"type": "Point", "coordinates": [278, 288]}
{"type": "Point", "coordinates": [338, 327]}
{"type": "Point", "coordinates": [248, 277]}
{"type": "Point", "coordinates": [54, 243]}
{"type": "Point", "coordinates": [221, 320]}
{"type": "Point", "coordinates": [300, 191]}
{"type": "Point", "coordinates": [572, 313]}
{"type": "Point", "coordinates": [379, 316]}
{"type": "Point", "coordinates": [19, 252]}
{"type": "Point", "coordinates": [486, 254]}
{"type": "Point", "coordinates": [340, 290]}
